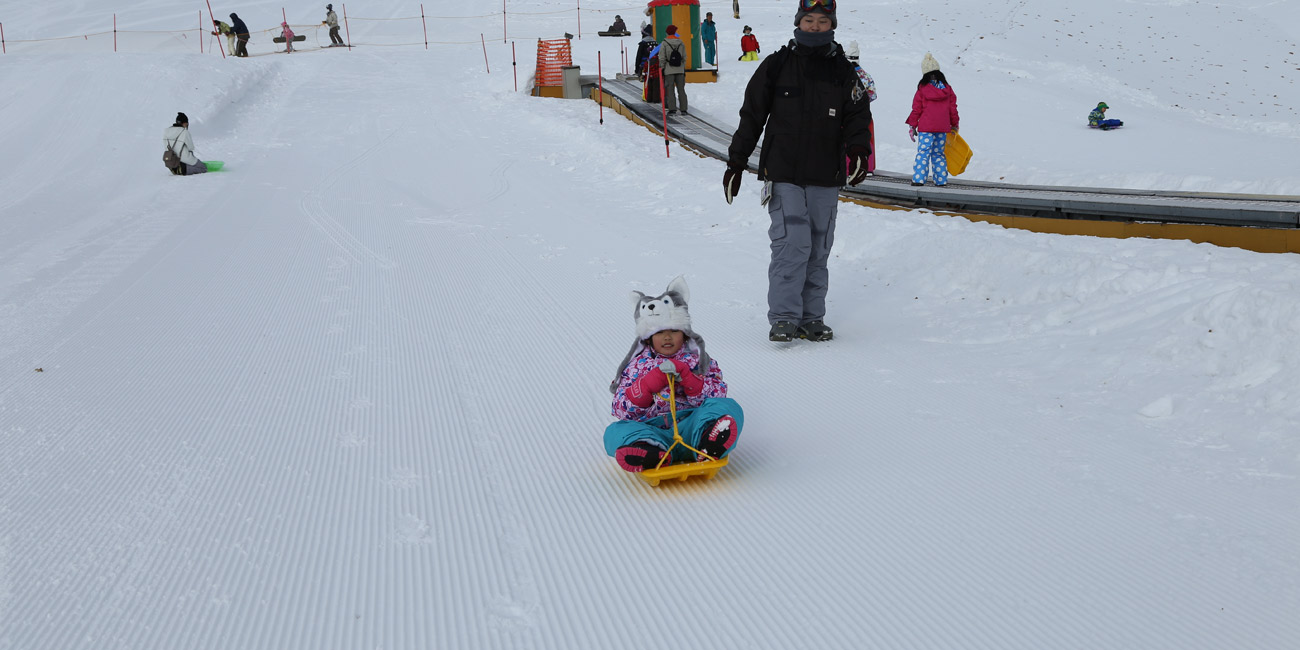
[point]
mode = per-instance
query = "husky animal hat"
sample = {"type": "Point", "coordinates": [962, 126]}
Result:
{"type": "Point", "coordinates": [666, 311]}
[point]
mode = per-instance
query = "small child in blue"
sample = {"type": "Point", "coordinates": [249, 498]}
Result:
{"type": "Point", "coordinates": [666, 345]}
{"type": "Point", "coordinates": [1097, 118]}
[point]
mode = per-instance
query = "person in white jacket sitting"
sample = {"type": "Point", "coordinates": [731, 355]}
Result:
{"type": "Point", "coordinates": [177, 138]}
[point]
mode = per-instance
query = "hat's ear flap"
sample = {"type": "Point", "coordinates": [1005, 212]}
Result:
{"type": "Point", "coordinates": [678, 285]}
{"type": "Point", "coordinates": [635, 298]}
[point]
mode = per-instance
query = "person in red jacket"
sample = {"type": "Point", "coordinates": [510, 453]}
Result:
{"type": "Point", "coordinates": [748, 46]}
{"type": "Point", "coordinates": [934, 115]}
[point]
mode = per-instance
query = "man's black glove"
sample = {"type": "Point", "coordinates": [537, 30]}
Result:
{"type": "Point", "coordinates": [731, 182]}
{"type": "Point", "coordinates": [858, 164]}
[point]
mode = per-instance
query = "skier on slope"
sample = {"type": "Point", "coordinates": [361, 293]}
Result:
{"type": "Point", "coordinates": [332, 19]}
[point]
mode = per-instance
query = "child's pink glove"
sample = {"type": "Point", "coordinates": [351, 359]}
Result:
{"type": "Point", "coordinates": [642, 391]}
{"type": "Point", "coordinates": [691, 383]}
{"type": "Point", "coordinates": [912, 131]}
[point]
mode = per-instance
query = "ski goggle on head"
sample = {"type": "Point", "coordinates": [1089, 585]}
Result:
{"type": "Point", "coordinates": [808, 5]}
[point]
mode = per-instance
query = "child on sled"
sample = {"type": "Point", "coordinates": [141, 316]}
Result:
{"type": "Point", "coordinates": [1097, 119]}
{"type": "Point", "coordinates": [665, 346]}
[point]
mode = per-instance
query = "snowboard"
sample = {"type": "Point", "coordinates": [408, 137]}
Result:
{"type": "Point", "coordinates": [298, 38]}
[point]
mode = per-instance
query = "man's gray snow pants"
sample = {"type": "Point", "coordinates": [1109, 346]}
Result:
{"type": "Point", "coordinates": [802, 232]}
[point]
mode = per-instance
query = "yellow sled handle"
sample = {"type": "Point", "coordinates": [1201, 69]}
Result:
{"type": "Point", "coordinates": [677, 436]}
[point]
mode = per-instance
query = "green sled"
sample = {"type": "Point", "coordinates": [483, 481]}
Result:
{"type": "Point", "coordinates": [214, 165]}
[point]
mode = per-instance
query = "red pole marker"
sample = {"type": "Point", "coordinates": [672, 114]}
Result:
{"type": "Point", "coordinates": [485, 61]}
{"type": "Point", "coordinates": [600, 87]}
{"type": "Point", "coordinates": [347, 30]}
{"type": "Point", "coordinates": [4, 50]}
{"type": "Point", "coordinates": [283, 15]}
{"type": "Point", "coordinates": [663, 108]}
{"type": "Point", "coordinates": [579, 19]}
{"type": "Point", "coordinates": [114, 32]}
{"type": "Point", "coordinates": [514, 63]}
{"type": "Point", "coordinates": [214, 23]}
{"type": "Point", "coordinates": [200, 31]}
{"type": "Point", "coordinates": [503, 29]}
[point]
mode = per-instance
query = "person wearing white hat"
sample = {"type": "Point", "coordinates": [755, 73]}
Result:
{"type": "Point", "coordinates": [934, 115]}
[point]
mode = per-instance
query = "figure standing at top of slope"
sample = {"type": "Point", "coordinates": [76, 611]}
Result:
{"type": "Point", "coordinates": [287, 34]}
{"type": "Point", "coordinates": [332, 19]}
{"type": "Point", "coordinates": [241, 34]}
{"type": "Point", "coordinates": [810, 107]}
{"type": "Point", "coordinates": [220, 28]}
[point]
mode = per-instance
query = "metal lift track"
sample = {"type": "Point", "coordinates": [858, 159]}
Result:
{"type": "Point", "coordinates": [979, 197]}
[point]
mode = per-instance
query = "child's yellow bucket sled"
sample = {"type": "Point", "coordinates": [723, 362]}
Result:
{"type": "Point", "coordinates": [705, 468]}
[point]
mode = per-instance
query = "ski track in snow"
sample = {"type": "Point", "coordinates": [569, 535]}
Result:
{"type": "Point", "coordinates": [349, 393]}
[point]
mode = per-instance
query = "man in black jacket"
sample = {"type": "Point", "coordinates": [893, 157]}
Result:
{"type": "Point", "coordinates": [816, 114]}
{"type": "Point", "coordinates": [241, 33]}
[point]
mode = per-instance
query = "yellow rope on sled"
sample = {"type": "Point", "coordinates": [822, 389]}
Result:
{"type": "Point", "coordinates": [705, 468]}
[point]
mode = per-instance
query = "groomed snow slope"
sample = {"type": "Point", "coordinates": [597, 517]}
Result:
{"type": "Point", "coordinates": [350, 392]}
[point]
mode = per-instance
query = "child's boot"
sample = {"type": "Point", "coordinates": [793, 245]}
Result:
{"type": "Point", "coordinates": [720, 437]}
{"type": "Point", "coordinates": [639, 456]}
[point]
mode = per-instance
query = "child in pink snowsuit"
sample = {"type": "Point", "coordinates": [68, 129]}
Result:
{"type": "Point", "coordinates": [288, 37]}
{"type": "Point", "coordinates": [666, 346]}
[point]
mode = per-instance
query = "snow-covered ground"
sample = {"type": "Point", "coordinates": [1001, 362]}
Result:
{"type": "Point", "coordinates": [350, 392]}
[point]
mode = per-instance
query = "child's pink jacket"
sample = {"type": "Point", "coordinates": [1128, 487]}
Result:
{"type": "Point", "coordinates": [648, 360]}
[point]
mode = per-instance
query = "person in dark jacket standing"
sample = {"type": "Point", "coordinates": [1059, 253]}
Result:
{"type": "Point", "coordinates": [816, 112]}
{"type": "Point", "coordinates": [643, 49]}
{"type": "Point", "coordinates": [241, 34]}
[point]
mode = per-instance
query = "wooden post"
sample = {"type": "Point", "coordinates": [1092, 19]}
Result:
{"type": "Point", "coordinates": [485, 60]}
{"type": "Point", "coordinates": [200, 31]}
{"type": "Point", "coordinates": [514, 63]}
{"type": "Point", "coordinates": [600, 87]}
{"type": "Point", "coordinates": [114, 32]}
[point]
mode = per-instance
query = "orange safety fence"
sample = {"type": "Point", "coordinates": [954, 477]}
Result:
{"type": "Point", "coordinates": [552, 56]}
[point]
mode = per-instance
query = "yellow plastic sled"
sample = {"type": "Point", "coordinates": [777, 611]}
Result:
{"type": "Point", "coordinates": [705, 468]}
{"type": "Point", "coordinates": [684, 471]}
